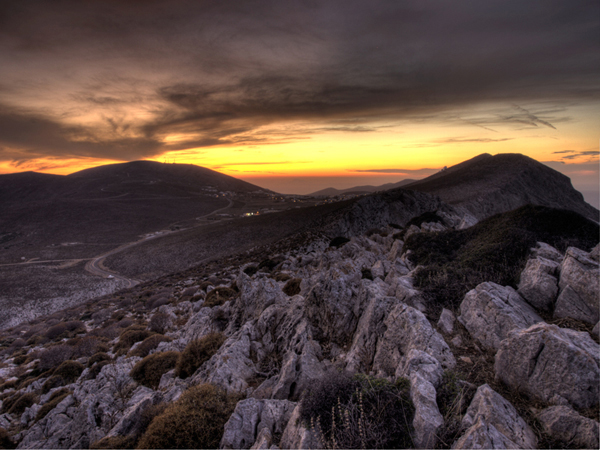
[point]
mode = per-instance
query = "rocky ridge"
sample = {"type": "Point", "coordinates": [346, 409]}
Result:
{"type": "Point", "coordinates": [296, 318]}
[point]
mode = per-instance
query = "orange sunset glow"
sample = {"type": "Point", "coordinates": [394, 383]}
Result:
{"type": "Point", "coordinates": [293, 99]}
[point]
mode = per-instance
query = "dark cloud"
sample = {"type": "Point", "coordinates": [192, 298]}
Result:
{"type": "Point", "coordinates": [220, 72]}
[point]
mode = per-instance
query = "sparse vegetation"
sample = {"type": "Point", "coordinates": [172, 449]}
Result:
{"type": "Point", "coordinates": [54, 356]}
{"type": "Point", "coordinates": [339, 241]}
{"type": "Point", "coordinates": [149, 344]}
{"type": "Point", "coordinates": [495, 249]}
{"type": "Point", "coordinates": [196, 420]}
{"type": "Point", "coordinates": [52, 402]}
{"type": "Point", "coordinates": [218, 296]}
{"type": "Point", "coordinates": [358, 411]}
{"type": "Point", "coordinates": [5, 440]}
{"type": "Point", "coordinates": [129, 337]}
{"type": "Point", "coordinates": [19, 402]}
{"type": "Point", "coordinates": [197, 352]}
{"type": "Point", "coordinates": [109, 442]}
{"type": "Point", "coordinates": [159, 323]}
{"type": "Point", "coordinates": [292, 287]}
{"type": "Point", "coordinates": [149, 370]}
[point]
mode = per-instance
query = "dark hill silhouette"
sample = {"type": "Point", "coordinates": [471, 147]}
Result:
{"type": "Point", "coordinates": [487, 185]}
{"type": "Point", "coordinates": [332, 192]}
{"type": "Point", "coordinates": [105, 205]}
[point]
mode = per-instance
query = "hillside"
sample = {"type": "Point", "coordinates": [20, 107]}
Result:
{"type": "Point", "coordinates": [332, 192]}
{"type": "Point", "coordinates": [253, 351]}
{"type": "Point", "coordinates": [487, 185]}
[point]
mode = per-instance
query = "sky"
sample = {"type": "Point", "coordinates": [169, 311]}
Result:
{"type": "Point", "coordinates": [299, 96]}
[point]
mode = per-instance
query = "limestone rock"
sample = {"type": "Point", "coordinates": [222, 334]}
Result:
{"type": "Point", "coordinates": [570, 304]}
{"type": "Point", "coordinates": [549, 363]}
{"type": "Point", "coordinates": [396, 250]}
{"type": "Point", "coordinates": [427, 420]}
{"type": "Point", "coordinates": [378, 270]}
{"type": "Point", "coordinates": [129, 424]}
{"type": "Point", "coordinates": [407, 329]}
{"type": "Point", "coordinates": [543, 250]}
{"type": "Point", "coordinates": [296, 435]}
{"type": "Point", "coordinates": [251, 416]}
{"type": "Point", "coordinates": [564, 424]}
{"type": "Point", "coordinates": [491, 311]}
{"type": "Point", "coordinates": [492, 422]}
{"type": "Point", "coordinates": [595, 253]}
{"type": "Point", "coordinates": [411, 230]}
{"type": "Point", "coordinates": [596, 330]}
{"type": "Point", "coordinates": [446, 322]}
{"type": "Point", "coordinates": [538, 284]}
{"type": "Point", "coordinates": [582, 274]}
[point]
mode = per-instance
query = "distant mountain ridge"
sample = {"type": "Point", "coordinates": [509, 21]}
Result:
{"type": "Point", "coordinates": [487, 185]}
{"type": "Point", "coordinates": [332, 192]}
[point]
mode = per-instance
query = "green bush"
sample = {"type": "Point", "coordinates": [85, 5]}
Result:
{"type": "Point", "coordinates": [292, 287]}
{"type": "Point", "coordinates": [148, 344]}
{"type": "Point", "coordinates": [358, 412]}
{"type": "Point", "coordinates": [218, 296]}
{"type": "Point", "coordinates": [149, 370]}
{"type": "Point", "coordinates": [495, 249]}
{"type": "Point", "coordinates": [52, 402]}
{"type": "Point", "coordinates": [196, 420]}
{"type": "Point", "coordinates": [197, 352]}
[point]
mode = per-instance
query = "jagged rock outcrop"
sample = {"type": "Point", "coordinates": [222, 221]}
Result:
{"type": "Point", "coordinates": [580, 287]}
{"type": "Point", "coordinates": [551, 364]}
{"type": "Point", "coordinates": [491, 311]}
{"type": "Point", "coordinates": [296, 435]}
{"type": "Point", "coordinates": [538, 284]}
{"type": "Point", "coordinates": [256, 420]}
{"type": "Point", "coordinates": [569, 427]}
{"type": "Point", "coordinates": [492, 422]}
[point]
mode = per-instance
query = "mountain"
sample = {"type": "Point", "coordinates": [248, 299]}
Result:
{"type": "Point", "coordinates": [487, 185]}
{"type": "Point", "coordinates": [332, 192]}
{"type": "Point", "coordinates": [105, 205]}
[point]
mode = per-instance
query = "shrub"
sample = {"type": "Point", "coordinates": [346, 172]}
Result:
{"type": "Point", "coordinates": [129, 337]}
{"type": "Point", "coordinates": [5, 440]}
{"type": "Point", "coordinates": [495, 249]}
{"type": "Point", "coordinates": [149, 370]}
{"type": "Point", "coordinates": [160, 322]}
{"type": "Point", "coordinates": [268, 264]}
{"type": "Point", "coordinates": [53, 401]}
{"type": "Point", "coordinates": [196, 420]}
{"type": "Point", "coordinates": [96, 369]}
{"type": "Point", "coordinates": [218, 296]}
{"type": "Point", "coordinates": [148, 344]}
{"type": "Point", "coordinates": [89, 346]}
{"type": "Point", "coordinates": [69, 371]}
{"type": "Point", "coordinates": [114, 442]}
{"type": "Point", "coordinates": [453, 399]}
{"type": "Point", "coordinates": [282, 276]}
{"type": "Point", "coordinates": [65, 329]}
{"type": "Point", "coordinates": [292, 287]}
{"type": "Point", "coordinates": [197, 352]}
{"type": "Point", "coordinates": [358, 412]}
{"type": "Point", "coordinates": [338, 242]}
{"type": "Point", "coordinates": [54, 356]}
{"type": "Point", "coordinates": [20, 403]}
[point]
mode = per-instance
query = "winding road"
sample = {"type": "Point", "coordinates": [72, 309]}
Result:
{"type": "Point", "coordinates": [95, 266]}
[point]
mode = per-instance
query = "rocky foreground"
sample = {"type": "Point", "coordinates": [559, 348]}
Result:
{"type": "Point", "coordinates": [264, 339]}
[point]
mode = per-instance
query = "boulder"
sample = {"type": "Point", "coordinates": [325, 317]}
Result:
{"type": "Point", "coordinates": [251, 416]}
{"type": "Point", "coordinates": [396, 250]}
{"type": "Point", "coordinates": [427, 420]}
{"type": "Point", "coordinates": [490, 311]}
{"type": "Point", "coordinates": [492, 422]}
{"type": "Point", "coordinates": [378, 270]}
{"type": "Point", "coordinates": [595, 253]}
{"type": "Point", "coordinates": [538, 284]}
{"type": "Point", "coordinates": [446, 322]}
{"type": "Point", "coordinates": [411, 230]}
{"type": "Point", "coordinates": [406, 328]}
{"type": "Point", "coordinates": [582, 274]}
{"type": "Point", "coordinates": [570, 304]}
{"type": "Point", "coordinates": [129, 424]}
{"type": "Point", "coordinates": [296, 435]}
{"type": "Point", "coordinates": [551, 364]}
{"type": "Point", "coordinates": [569, 427]}
{"type": "Point", "coordinates": [543, 250]}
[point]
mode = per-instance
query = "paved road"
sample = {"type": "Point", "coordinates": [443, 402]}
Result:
{"type": "Point", "coordinates": [95, 267]}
